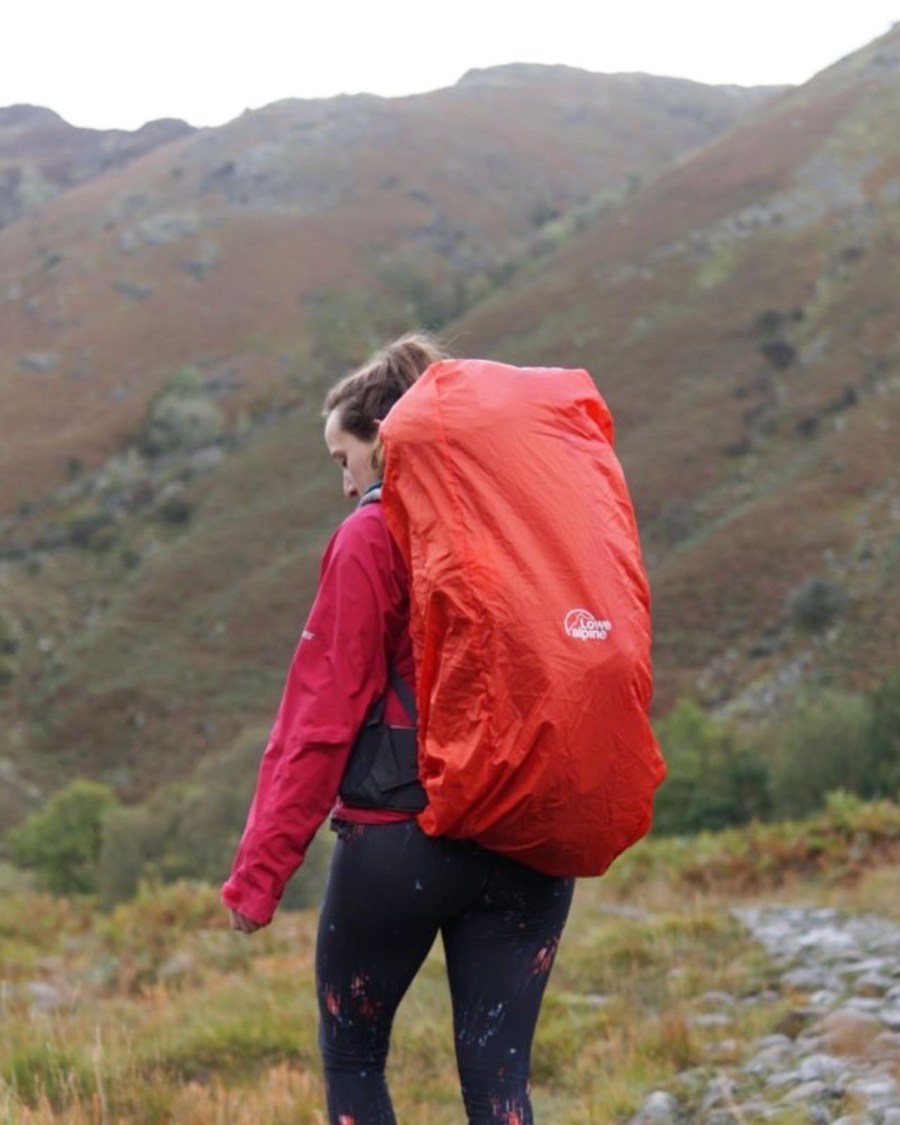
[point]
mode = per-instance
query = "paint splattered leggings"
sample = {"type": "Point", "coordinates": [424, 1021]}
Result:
{"type": "Point", "coordinates": [391, 890]}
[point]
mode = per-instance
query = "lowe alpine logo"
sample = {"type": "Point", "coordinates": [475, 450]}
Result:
{"type": "Point", "coordinates": [581, 624]}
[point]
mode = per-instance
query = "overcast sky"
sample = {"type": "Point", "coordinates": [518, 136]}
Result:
{"type": "Point", "coordinates": [107, 63]}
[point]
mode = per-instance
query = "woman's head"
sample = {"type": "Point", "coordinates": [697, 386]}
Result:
{"type": "Point", "coordinates": [355, 407]}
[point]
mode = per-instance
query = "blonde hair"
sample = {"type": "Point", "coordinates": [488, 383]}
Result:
{"type": "Point", "coordinates": [365, 396]}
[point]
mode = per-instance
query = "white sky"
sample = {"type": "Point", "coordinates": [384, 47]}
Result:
{"type": "Point", "coordinates": [110, 63]}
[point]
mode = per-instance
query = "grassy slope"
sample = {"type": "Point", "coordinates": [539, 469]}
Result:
{"type": "Point", "coordinates": [668, 299]}
{"type": "Point", "coordinates": [749, 478]}
{"type": "Point", "coordinates": [150, 667]}
{"type": "Point", "coordinates": [220, 249]}
{"type": "Point", "coordinates": [133, 662]}
{"type": "Point", "coordinates": [163, 1016]}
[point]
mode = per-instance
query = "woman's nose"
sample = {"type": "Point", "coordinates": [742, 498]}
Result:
{"type": "Point", "coordinates": [349, 487]}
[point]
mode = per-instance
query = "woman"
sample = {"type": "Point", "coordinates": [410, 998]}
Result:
{"type": "Point", "coordinates": [391, 889]}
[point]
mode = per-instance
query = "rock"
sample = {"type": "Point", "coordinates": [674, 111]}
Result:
{"type": "Point", "coordinates": [659, 1108]}
{"type": "Point", "coordinates": [864, 1004]}
{"type": "Point", "coordinates": [878, 1090]}
{"type": "Point", "coordinates": [720, 1091]}
{"type": "Point", "coordinates": [180, 967]}
{"type": "Point", "coordinates": [39, 362]}
{"type": "Point", "coordinates": [804, 1093]}
{"type": "Point", "coordinates": [846, 1031]}
{"type": "Point", "coordinates": [133, 290]}
{"type": "Point", "coordinates": [886, 1046]}
{"type": "Point", "coordinates": [43, 996]}
{"type": "Point", "coordinates": [725, 1048]}
{"type": "Point", "coordinates": [103, 972]}
{"type": "Point", "coordinates": [710, 1019]}
{"type": "Point", "coordinates": [782, 1078]}
{"type": "Point", "coordinates": [841, 1041]}
{"type": "Point", "coordinates": [820, 1068]}
{"type": "Point", "coordinates": [717, 999]}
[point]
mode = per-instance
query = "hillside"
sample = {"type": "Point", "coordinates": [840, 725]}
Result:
{"type": "Point", "coordinates": [167, 333]}
{"type": "Point", "coordinates": [41, 155]}
{"type": "Point", "coordinates": [739, 315]}
{"type": "Point", "coordinates": [293, 238]}
{"type": "Point", "coordinates": [735, 308]}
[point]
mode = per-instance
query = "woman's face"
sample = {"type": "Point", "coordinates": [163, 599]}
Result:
{"type": "Point", "coordinates": [352, 454]}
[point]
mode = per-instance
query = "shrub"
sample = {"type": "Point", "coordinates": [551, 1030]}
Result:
{"type": "Point", "coordinates": [93, 531]}
{"type": "Point", "coordinates": [189, 830]}
{"type": "Point", "coordinates": [9, 642]}
{"type": "Point", "coordinates": [179, 421]}
{"type": "Point", "coordinates": [713, 782]}
{"type": "Point", "coordinates": [344, 327]}
{"type": "Point", "coordinates": [820, 748]}
{"type": "Point", "coordinates": [175, 509]}
{"type": "Point", "coordinates": [187, 381]}
{"type": "Point", "coordinates": [7, 669]}
{"type": "Point", "coordinates": [769, 322]}
{"type": "Point", "coordinates": [816, 603]}
{"type": "Point", "coordinates": [808, 425]}
{"type": "Point", "coordinates": [882, 743]}
{"type": "Point", "coordinates": [779, 353]}
{"type": "Point", "coordinates": [62, 842]}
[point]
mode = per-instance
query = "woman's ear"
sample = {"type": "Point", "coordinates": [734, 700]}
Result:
{"type": "Point", "coordinates": [377, 461]}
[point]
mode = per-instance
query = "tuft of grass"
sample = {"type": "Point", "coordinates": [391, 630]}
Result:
{"type": "Point", "coordinates": [46, 1073]}
{"type": "Point", "coordinates": [835, 845]}
{"type": "Point", "coordinates": [242, 1028]}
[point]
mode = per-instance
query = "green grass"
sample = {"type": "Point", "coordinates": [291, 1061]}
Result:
{"type": "Point", "coordinates": [165, 1016]}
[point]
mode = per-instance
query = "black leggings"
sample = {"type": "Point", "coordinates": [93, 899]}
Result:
{"type": "Point", "coordinates": [391, 889]}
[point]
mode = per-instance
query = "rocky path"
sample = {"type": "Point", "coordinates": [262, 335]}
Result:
{"type": "Point", "coordinates": [838, 1062]}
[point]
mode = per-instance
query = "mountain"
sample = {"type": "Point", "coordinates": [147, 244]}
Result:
{"type": "Point", "coordinates": [168, 328]}
{"type": "Point", "coordinates": [295, 237]}
{"type": "Point", "coordinates": [41, 155]}
{"type": "Point", "coordinates": [739, 314]}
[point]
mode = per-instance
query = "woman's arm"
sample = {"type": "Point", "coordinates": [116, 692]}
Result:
{"type": "Point", "coordinates": [339, 669]}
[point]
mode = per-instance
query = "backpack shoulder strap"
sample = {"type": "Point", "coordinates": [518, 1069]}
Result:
{"type": "Point", "coordinates": [372, 495]}
{"type": "Point", "coordinates": [402, 688]}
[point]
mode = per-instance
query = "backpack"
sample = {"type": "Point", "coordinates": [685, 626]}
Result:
{"type": "Point", "coordinates": [529, 614]}
{"type": "Point", "coordinates": [383, 769]}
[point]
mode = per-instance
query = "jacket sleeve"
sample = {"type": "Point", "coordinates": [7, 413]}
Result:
{"type": "Point", "coordinates": [339, 669]}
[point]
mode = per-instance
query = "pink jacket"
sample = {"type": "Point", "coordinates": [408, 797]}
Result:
{"type": "Point", "coordinates": [358, 626]}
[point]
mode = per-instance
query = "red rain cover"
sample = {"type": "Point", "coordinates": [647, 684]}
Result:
{"type": "Point", "coordinates": [530, 614]}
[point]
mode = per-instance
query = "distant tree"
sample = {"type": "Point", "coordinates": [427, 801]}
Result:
{"type": "Point", "coordinates": [819, 748]}
{"type": "Point", "coordinates": [9, 645]}
{"type": "Point", "coordinates": [62, 842]}
{"type": "Point", "coordinates": [187, 381]}
{"type": "Point", "coordinates": [189, 830]}
{"type": "Point", "coordinates": [779, 353]}
{"type": "Point", "coordinates": [713, 781]}
{"type": "Point", "coordinates": [882, 743]}
{"type": "Point", "coordinates": [816, 603]}
{"type": "Point", "coordinates": [179, 420]}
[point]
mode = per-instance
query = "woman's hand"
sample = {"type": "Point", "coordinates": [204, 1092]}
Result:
{"type": "Point", "coordinates": [243, 923]}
